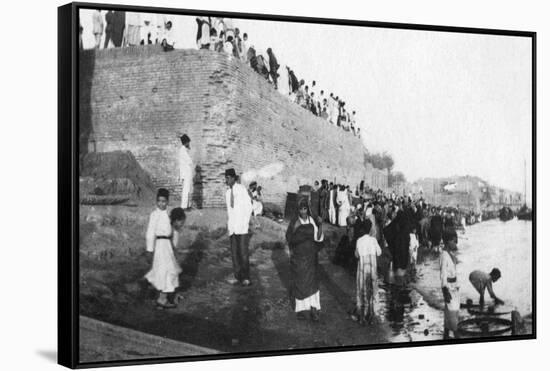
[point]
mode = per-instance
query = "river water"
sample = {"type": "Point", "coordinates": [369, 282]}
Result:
{"type": "Point", "coordinates": [415, 314]}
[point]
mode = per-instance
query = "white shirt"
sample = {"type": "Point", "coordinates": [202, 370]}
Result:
{"type": "Point", "coordinates": [228, 47]}
{"type": "Point", "coordinates": [98, 22]}
{"type": "Point", "coordinates": [186, 163]}
{"type": "Point", "coordinates": [413, 244]}
{"type": "Point", "coordinates": [367, 245]}
{"type": "Point", "coordinates": [238, 216]}
{"type": "Point", "coordinates": [133, 19]}
{"type": "Point", "coordinates": [168, 34]}
{"type": "Point", "coordinates": [447, 269]}
{"type": "Point", "coordinates": [159, 225]}
{"type": "Point", "coordinates": [342, 198]}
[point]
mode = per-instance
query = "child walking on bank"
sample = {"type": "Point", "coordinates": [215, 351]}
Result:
{"type": "Point", "coordinates": [367, 251]}
{"type": "Point", "coordinates": [161, 238]}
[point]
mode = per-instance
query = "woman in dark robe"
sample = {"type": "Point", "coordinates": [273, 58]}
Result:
{"type": "Point", "coordinates": [303, 235]}
{"type": "Point", "coordinates": [436, 229]}
{"type": "Point", "coordinates": [449, 231]}
{"type": "Point", "coordinates": [398, 238]}
{"type": "Point", "coordinates": [323, 200]}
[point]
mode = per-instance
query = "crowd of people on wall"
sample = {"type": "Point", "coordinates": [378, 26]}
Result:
{"type": "Point", "coordinates": [121, 29]}
{"type": "Point", "coordinates": [117, 28]}
{"type": "Point", "coordinates": [329, 107]}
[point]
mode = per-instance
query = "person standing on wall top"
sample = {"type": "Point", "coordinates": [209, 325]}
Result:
{"type": "Point", "coordinates": [109, 29]}
{"type": "Point", "coordinates": [133, 29]}
{"type": "Point", "coordinates": [239, 210]}
{"type": "Point", "coordinates": [98, 27]}
{"type": "Point", "coordinates": [186, 171]}
{"type": "Point", "coordinates": [119, 24]}
{"type": "Point", "coordinates": [167, 38]}
{"type": "Point", "coordinates": [244, 49]}
{"type": "Point", "coordinates": [273, 67]}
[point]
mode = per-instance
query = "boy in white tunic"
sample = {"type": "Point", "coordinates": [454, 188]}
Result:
{"type": "Point", "coordinates": [161, 238]}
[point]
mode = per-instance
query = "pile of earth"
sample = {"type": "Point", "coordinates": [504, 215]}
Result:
{"type": "Point", "coordinates": [113, 178]}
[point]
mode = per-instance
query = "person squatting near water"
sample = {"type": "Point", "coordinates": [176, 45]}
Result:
{"type": "Point", "coordinates": [304, 235]}
{"type": "Point", "coordinates": [239, 211]}
{"type": "Point", "coordinates": [481, 281]}
{"type": "Point", "coordinates": [161, 238]}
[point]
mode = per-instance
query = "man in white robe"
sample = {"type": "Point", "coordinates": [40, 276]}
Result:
{"type": "Point", "coordinates": [239, 210]}
{"type": "Point", "coordinates": [98, 26]}
{"type": "Point", "coordinates": [133, 28]}
{"type": "Point", "coordinates": [186, 172]}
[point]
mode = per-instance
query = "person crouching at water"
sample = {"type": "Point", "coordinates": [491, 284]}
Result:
{"type": "Point", "coordinates": [302, 236]}
{"type": "Point", "coordinates": [367, 251]}
{"type": "Point", "coordinates": [481, 281]}
{"type": "Point", "coordinates": [451, 293]}
{"type": "Point", "coordinates": [161, 238]}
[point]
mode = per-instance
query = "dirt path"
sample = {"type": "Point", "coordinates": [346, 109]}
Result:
{"type": "Point", "coordinates": [211, 312]}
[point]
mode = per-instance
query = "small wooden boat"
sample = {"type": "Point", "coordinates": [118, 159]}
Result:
{"type": "Point", "coordinates": [525, 213]}
{"type": "Point", "coordinates": [506, 214]}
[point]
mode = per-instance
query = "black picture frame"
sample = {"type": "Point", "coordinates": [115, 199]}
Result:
{"type": "Point", "coordinates": [68, 185]}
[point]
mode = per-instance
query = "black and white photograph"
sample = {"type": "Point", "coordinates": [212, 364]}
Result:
{"type": "Point", "coordinates": [253, 185]}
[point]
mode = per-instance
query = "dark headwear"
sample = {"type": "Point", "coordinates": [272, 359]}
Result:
{"type": "Point", "coordinates": [163, 192]}
{"type": "Point", "coordinates": [177, 214]}
{"type": "Point", "coordinates": [231, 173]}
{"type": "Point", "coordinates": [495, 273]}
{"type": "Point", "coordinates": [302, 203]}
{"type": "Point", "coordinates": [185, 139]}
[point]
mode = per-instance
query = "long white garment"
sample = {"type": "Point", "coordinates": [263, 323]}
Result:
{"type": "Point", "coordinates": [257, 206]}
{"type": "Point", "coordinates": [186, 176]}
{"type": "Point", "coordinates": [97, 19]}
{"type": "Point", "coordinates": [448, 272]}
{"type": "Point", "coordinates": [331, 208]}
{"type": "Point", "coordinates": [164, 274]}
{"type": "Point", "coordinates": [413, 248]}
{"type": "Point", "coordinates": [344, 208]}
{"type": "Point", "coordinates": [238, 216]}
{"type": "Point", "coordinates": [313, 301]}
{"type": "Point", "coordinates": [367, 250]}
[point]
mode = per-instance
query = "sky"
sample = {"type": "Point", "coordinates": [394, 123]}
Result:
{"type": "Point", "coordinates": [440, 103]}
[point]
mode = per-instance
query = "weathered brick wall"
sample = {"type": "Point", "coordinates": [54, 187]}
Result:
{"type": "Point", "coordinates": [142, 99]}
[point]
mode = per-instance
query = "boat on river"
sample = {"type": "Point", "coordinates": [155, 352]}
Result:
{"type": "Point", "coordinates": [506, 214]}
{"type": "Point", "coordinates": [525, 213]}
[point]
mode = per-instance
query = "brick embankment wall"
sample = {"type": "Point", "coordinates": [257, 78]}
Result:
{"type": "Point", "coordinates": [142, 99]}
